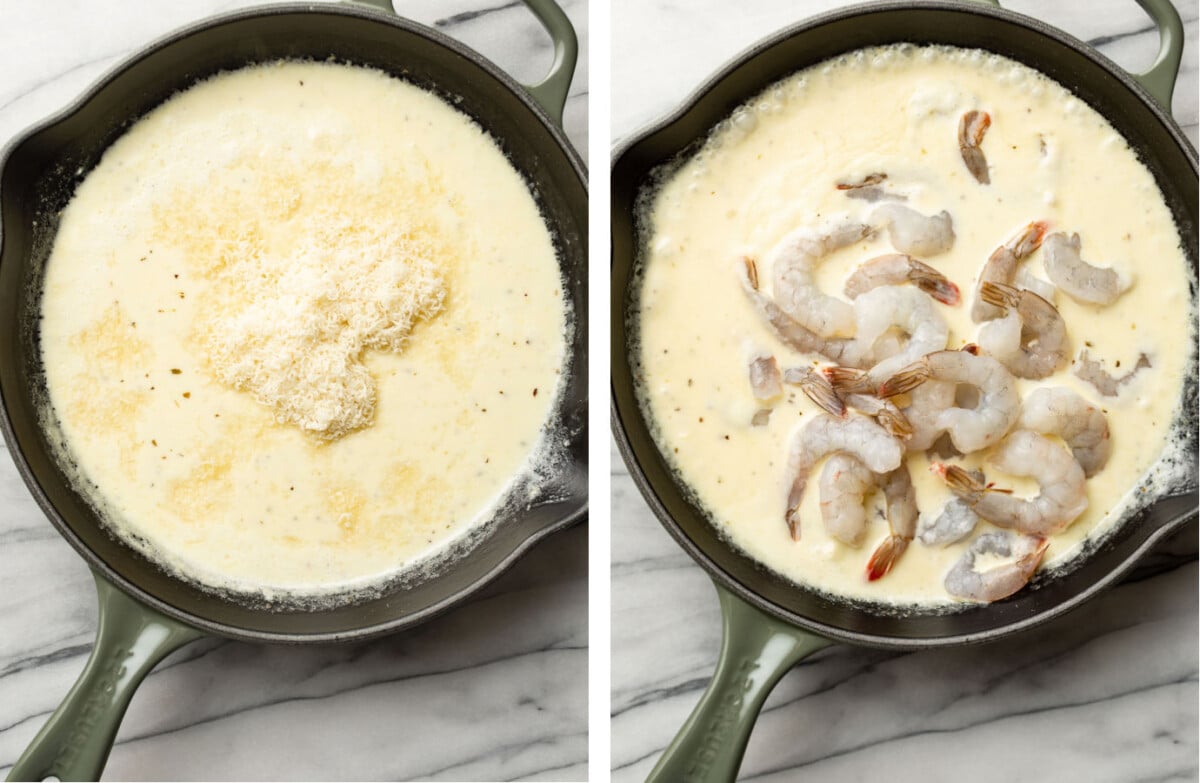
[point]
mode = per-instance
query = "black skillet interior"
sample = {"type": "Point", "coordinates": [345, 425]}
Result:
{"type": "Point", "coordinates": [1160, 145]}
{"type": "Point", "coordinates": [43, 170]}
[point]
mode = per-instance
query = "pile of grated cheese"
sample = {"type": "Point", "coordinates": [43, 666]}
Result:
{"type": "Point", "coordinates": [309, 266]}
{"type": "Point", "coordinates": [295, 337]}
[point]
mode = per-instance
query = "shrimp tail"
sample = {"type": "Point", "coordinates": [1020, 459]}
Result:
{"type": "Point", "coordinates": [895, 422]}
{"type": "Point", "coordinates": [885, 556]}
{"type": "Point", "coordinates": [795, 495]}
{"type": "Point", "coordinates": [905, 380]}
{"type": "Point", "coordinates": [848, 380]}
{"type": "Point", "coordinates": [999, 295]}
{"type": "Point", "coordinates": [793, 522]}
{"type": "Point", "coordinates": [1028, 562]}
{"type": "Point", "coordinates": [1030, 238]}
{"type": "Point", "coordinates": [961, 482]}
{"type": "Point", "coordinates": [867, 181]}
{"type": "Point", "coordinates": [817, 388]}
{"type": "Point", "coordinates": [751, 271]}
{"type": "Point", "coordinates": [933, 283]}
{"type": "Point", "coordinates": [971, 129]}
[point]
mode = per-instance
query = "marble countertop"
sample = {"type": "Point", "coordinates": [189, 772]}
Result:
{"type": "Point", "coordinates": [495, 690]}
{"type": "Point", "coordinates": [1108, 693]}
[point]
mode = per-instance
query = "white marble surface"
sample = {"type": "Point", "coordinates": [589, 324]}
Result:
{"type": "Point", "coordinates": [496, 690]}
{"type": "Point", "coordinates": [1108, 693]}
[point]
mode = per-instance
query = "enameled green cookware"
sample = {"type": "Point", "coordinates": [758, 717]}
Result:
{"type": "Point", "coordinates": [144, 612]}
{"type": "Point", "coordinates": [770, 623]}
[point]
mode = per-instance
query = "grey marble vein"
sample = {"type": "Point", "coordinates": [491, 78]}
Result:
{"type": "Point", "coordinates": [1106, 693]}
{"type": "Point", "coordinates": [495, 690]}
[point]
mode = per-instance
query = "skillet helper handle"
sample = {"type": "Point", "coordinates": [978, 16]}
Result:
{"type": "Point", "coordinates": [756, 651]}
{"type": "Point", "coordinates": [550, 92]}
{"type": "Point", "coordinates": [76, 740]}
{"type": "Point", "coordinates": [1159, 79]}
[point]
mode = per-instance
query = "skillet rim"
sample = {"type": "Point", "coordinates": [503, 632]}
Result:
{"type": "Point", "coordinates": [578, 510]}
{"type": "Point", "coordinates": [747, 594]}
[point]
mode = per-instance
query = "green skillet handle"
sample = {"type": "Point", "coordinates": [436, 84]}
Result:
{"type": "Point", "coordinates": [131, 638]}
{"type": "Point", "coordinates": [1159, 79]}
{"type": "Point", "coordinates": [550, 92]}
{"type": "Point", "coordinates": [756, 651]}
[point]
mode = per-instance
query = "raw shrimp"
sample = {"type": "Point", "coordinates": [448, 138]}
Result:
{"type": "Point", "coordinates": [898, 268]}
{"type": "Point", "coordinates": [965, 582]}
{"type": "Point", "coordinates": [969, 429]}
{"type": "Point", "coordinates": [858, 390]}
{"type": "Point", "coordinates": [1023, 278]}
{"type": "Point", "coordinates": [817, 388]}
{"type": "Point", "coordinates": [825, 435]}
{"type": "Point", "coordinates": [842, 350]}
{"type": "Point", "coordinates": [1057, 410]}
{"type": "Point", "coordinates": [1063, 494]}
{"type": "Point", "coordinates": [845, 483]}
{"type": "Point", "coordinates": [793, 265]}
{"type": "Point", "coordinates": [902, 522]}
{"type": "Point", "coordinates": [926, 404]}
{"type": "Point", "coordinates": [853, 387]}
{"type": "Point", "coordinates": [1092, 371]}
{"type": "Point", "coordinates": [1031, 340]}
{"type": "Point", "coordinates": [868, 189]}
{"type": "Point", "coordinates": [971, 129]}
{"type": "Point", "coordinates": [884, 412]}
{"type": "Point", "coordinates": [883, 309]}
{"type": "Point", "coordinates": [914, 233]}
{"type": "Point", "coordinates": [955, 523]}
{"type": "Point", "coordinates": [1002, 264]}
{"type": "Point", "coordinates": [1079, 279]}
{"type": "Point", "coordinates": [764, 377]}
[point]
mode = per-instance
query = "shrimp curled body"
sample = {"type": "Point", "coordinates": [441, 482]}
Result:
{"type": "Point", "coordinates": [1079, 279]}
{"type": "Point", "coordinates": [970, 429]}
{"type": "Point", "coordinates": [794, 261]}
{"type": "Point", "coordinates": [883, 310]}
{"type": "Point", "coordinates": [965, 582]}
{"type": "Point", "coordinates": [844, 483]}
{"type": "Point", "coordinates": [857, 436]}
{"type": "Point", "coordinates": [843, 350]}
{"type": "Point", "coordinates": [1063, 495]}
{"type": "Point", "coordinates": [914, 233]}
{"type": "Point", "coordinates": [1057, 410]}
{"type": "Point", "coordinates": [1031, 340]}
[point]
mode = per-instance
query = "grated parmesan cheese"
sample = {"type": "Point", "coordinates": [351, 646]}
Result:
{"type": "Point", "coordinates": [295, 338]}
{"type": "Point", "coordinates": [309, 267]}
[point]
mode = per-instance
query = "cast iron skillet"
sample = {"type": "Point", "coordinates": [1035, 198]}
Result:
{"type": "Point", "coordinates": [144, 612]}
{"type": "Point", "coordinates": [770, 623]}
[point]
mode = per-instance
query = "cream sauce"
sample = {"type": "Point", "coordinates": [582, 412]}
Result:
{"type": "Point", "coordinates": [772, 166]}
{"type": "Point", "coordinates": [213, 484]}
